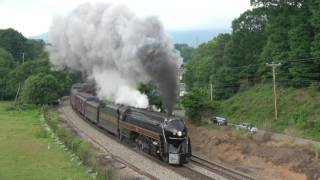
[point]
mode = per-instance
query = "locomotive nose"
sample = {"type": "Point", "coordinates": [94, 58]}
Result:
{"type": "Point", "coordinates": [175, 128]}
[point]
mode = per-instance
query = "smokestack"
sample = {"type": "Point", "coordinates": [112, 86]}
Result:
{"type": "Point", "coordinates": [118, 50]}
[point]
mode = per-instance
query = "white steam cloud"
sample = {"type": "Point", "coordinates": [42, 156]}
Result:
{"type": "Point", "coordinates": [118, 50]}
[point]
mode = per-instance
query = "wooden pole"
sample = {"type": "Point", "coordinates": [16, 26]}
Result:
{"type": "Point", "coordinates": [274, 88]}
{"type": "Point", "coordinates": [19, 86]}
{"type": "Point", "coordinates": [275, 92]}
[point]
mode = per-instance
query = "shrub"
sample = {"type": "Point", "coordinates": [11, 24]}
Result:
{"type": "Point", "coordinates": [198, 104]}
{"type": "Point", "coordinates": [84, 152]}
{"type": "Point", "coordinates": [40, 89]}
{"type": "Point", "coordinates": [41, 133]}
{"type": "Point", "coordinates": [62, 134]}
{"type": "Point", "coordinates": [74, 144]}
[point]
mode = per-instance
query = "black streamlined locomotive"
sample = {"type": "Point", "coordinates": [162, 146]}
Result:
{"type": "Point", "coordinates": [159, 134]}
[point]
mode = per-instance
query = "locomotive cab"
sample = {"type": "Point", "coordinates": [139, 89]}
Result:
{"type": "Point", "coordinates": [177, 143]}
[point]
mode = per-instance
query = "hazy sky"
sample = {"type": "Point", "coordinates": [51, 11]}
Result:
{"type": "Point", "coordinates": [33, 17]}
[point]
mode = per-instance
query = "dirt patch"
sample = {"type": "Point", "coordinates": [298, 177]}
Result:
{"type": "Point", "coordinates": [256, 155]}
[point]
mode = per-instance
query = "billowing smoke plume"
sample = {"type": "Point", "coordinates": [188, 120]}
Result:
{"type": "Point", "coordinates": [118, 50]}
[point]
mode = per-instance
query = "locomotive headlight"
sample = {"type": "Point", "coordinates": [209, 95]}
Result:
{"type": "Point", "coordinates": [179, 133]}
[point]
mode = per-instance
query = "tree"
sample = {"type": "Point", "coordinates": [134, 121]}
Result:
{"type": "Point", "coordinates": [34, 67]}
{"type": "Point", "coordinates": [15, 43]}
{"type": "Point", "coordinates": [207, 58]}
{"type": "Point", "coordinates": [271, 4]}
{"type": "Point", "coordinates": [198, 104]}
{"type": "Point", "coordinates": [300, 37]}
{"type": "Point", "coordinates": [277, 47]}
{"type": "Point", "coordinates": [23, 71]}
{"type": "Point", "coordinates": [64, 81]}
{"type": "Point", "coordinates": [208, 66]}
{"type": "Point", "coordinates": [314, 6]}
{"type": "Point", "coordinates": [153, 95]}
{"type": "Point", "coordinates": [6, 59]}
{"type": "Point", "coordinates": [12, 41]}
{"type": "Point", "coordinates": [186, 51]}
{"type": "Point", "coordinates": [247, 41]}
{"type": "Point", "coordinates": [40, 89]}
{"type": "Point", "coordinates": [34, 49]}
{"type": "Point", "coordinates": [6, 65]}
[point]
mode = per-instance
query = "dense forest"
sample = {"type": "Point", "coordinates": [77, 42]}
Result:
{"type": "Point", "coordinates": [280, 31]}
{"type": "Point", "coordinates": [25, 71]}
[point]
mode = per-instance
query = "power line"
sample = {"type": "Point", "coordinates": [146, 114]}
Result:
{"type": "Point", "coordinates": [285, 61]}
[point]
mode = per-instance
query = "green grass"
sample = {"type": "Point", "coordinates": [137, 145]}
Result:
{"type": "Point", "coordinates": [299, 110]}
{"type": "Point", "coordinates": [24, 152]}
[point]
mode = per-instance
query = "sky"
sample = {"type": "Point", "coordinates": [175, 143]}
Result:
{"type": "Point", "coordinates": [33, 17]}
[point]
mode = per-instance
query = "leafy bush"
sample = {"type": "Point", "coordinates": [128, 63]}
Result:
{"type": "Point", "coordinates": [84, 152]}
{"type": "Point", "coordinates": [198, 104]}
{"type": "Point", "coordinates": [41, 133]}
{"type": "Point", "coordinates": [62, 134]}
{"type": "Point", "coordinates": [74, 144]}
{"type": "Point", "coordinates": [40, 89]}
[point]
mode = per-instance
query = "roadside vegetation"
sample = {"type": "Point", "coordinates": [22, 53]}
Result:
{"type": "Point", "coordinates": [299, 110]}
{"type": "Point", "coordinates": [99, 168]}
{"type": "Point", "coordinates": [28, 152]}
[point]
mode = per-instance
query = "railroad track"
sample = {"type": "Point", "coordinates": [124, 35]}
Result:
{"type": "Point", "coordinates": [202, 169]}
{"type": "Point", "coordinates": [223, 171]}
{"type": "Point", "coordinates": [101, 146]}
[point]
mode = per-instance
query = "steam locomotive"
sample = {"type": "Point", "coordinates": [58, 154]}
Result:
{"type": "Point", "coordinates": [161, 135]}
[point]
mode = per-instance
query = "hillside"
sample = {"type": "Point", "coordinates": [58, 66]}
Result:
{"type": "Point", "coordinates": [299, 110]}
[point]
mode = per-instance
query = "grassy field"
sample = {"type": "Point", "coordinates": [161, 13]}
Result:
{"type": "Point", "coordinates": [299, 110]}
{"type": "Point", "coordinates": [24, 152]}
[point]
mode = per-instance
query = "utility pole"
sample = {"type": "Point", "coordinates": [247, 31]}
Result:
{"type": "Point", "coordinates": [273, 65]}
{"type": "Point", "coordinates": [19, 86]}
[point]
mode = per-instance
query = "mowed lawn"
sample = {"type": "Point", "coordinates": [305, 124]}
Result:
{"type": "Point", "coordinates": [24, 152]}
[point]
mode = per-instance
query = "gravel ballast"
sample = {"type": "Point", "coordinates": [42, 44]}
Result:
{"type": "Point", "coordinates": [117, 149]}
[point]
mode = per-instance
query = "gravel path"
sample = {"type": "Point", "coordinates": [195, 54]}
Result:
{"type": "Point", "coordinates": [284, 137]}
{"type": "Point", "coordinates": [117, 149]}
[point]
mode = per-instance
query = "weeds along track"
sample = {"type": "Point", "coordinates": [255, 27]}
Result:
{"type": "Point", "coordinates": [214, 167]}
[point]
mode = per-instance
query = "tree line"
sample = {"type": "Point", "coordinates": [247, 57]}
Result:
{"type": "Point", "coordinates": [281, 31]}
{"type": "Point", "coordinates": [25, 71]}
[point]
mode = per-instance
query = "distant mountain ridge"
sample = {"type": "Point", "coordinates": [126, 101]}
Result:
{"type": "Point", "coordinates": [195, 37]}
{"type": "Point", "coordinates": [190, 37]}
{"type": "Point", "coordinates": [43, 36]}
